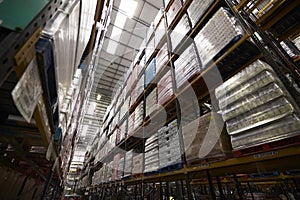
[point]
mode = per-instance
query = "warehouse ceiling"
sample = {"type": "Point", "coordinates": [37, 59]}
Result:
{"type": "Point", "coordinates": [125, 34]}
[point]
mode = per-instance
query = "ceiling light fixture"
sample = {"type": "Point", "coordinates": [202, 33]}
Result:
{"type": "Point", "coordinates": [98, 97]}
{"type": "Point", "coordinates": [129, 7]}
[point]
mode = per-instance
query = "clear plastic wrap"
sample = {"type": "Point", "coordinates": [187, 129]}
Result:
{"type": "Point", "coordinates": [162, 57]}
{"type": "Point", "coordinates": [209, 140]}
{"type": "Point", "coordinates": [180, 31]}
{"type": "Point", "coordinates": [226, 29]}
{"type": "Point", "coordinates": [128, 163]}
{"type": "Point", "coordinates": [121, 131]}
{"type": "Point", "coordinates": [165, 89]}
{"type": "Point", "coordinates": [284, 128]}
{"type": "Point", "coordinates": [246, 88]}
{"type": "Point", "coordinates": [266, 113]}
{"type": "Point", "coordinates": [173, 10]}
{"type": "Point", "coordinates": [62, 29]}
{"type": "Point", "coordinates": [151, 102]}
{"type": "Point", "coordinates": [124, 108]}
{"type": "Point", "coordinates": [150, 72]}
{"type": "Point", "coordinates": [251, 101]}
{"type": "Point", "coordinates": [88, 9]}
{"type": "Point", "coordinates": [140, 86]}
{"type": "Point", "coordinates": [241, 77]}
{"type": "Point", "coordinates": [256, 107]}
{"type": "Point", "coordinates": [197, 9]}
{"type": "Point", "coordinates": [139, 115]}
{"type": "Point", "coordinates": [138, 164]}
{"type": "Point", "coordinates": [186, 66]}
{"type": "Point", "coordinates": [159, 32]}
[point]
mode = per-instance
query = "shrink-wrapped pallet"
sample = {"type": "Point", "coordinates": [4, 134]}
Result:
{"type": "Point", "coordinates": [151, 102]}
{"type": "Point", "coordinates": [173, 10]}
{"type": "Point", "coordinates": [186, 66]}
{"type": "Point", "coordinates": [225, 28]}
{"type": "Point", "coordinates": [61, 30]}
{"type": "Point", "coordinates": [257, 107]}
{"type": "Point", "coordinates": [140, 87]}
{"type": "Point", "coordinates": [205, 139]}
{"type": "Point", "coordinates": [139, 115]}
{"type": "Point", "coordinates": [169, 146]}
{"type": "Point", "coordinates": [150, 72]}
{"type": "Point", "coordinates": [121, 131]}
{"type": "Point", "coordinates": [197, 9]}
{"type": "Point", "coordinates": [151, 154]}
{"type": "Point", "coordinates": [180, 31]}
{"type": "Point", "coordinates": [138, 164]}
{"type": "Point", "coordinates": [162, 57]}
{"type": "Point", "coordinates": [165, 89]}
{"type": "Point", "coordinates": [131, 120]}
{"type": "Point", "coordinates": [128, 163]}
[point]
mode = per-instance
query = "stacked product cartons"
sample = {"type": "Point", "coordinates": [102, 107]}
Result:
{"type": "Point", "coordinates": [138, 164]}
{"type": "Point", "coordinates": [150, 42]}
{"type": "Point", "coordinates": [141, 64]}
{"type": "Point", "coordinates": [104, 172]}
{"type": "Point", "coordinates": [128, 163]}
{"type": "Point", "coordinates": [151, 102]}
{"type": "Point", "coordinates": [197, 9]}
{"type": "Point", "coordinates": [151, 154]}
{"type": "Point", "coordinates": [139, 115]}
{"type": "Point", "coordinates": [140, 87]}
{"type": "Point", "coordinates": [169, 147]}
{"type": "Point", "coordinates": [121, 168]}
{"type": "Point", "coordinates": [257, 108]}
{"type": "Point", "coordinates": [186, 66]}
{"type": "Point", "coordinates": [131, 123]}
{"type": "Point", "coordinates": [132, 78]}
{"type": "Point", "coordinates": [205, 139]}
{"type": "Point", "coordinates": [133, 97]}
{"type": "Point", "coordinates": [225, 29]}
{"type": "Point", "coordinates": [150, 72]}
{"type": "Point", "coordinates": [124, 108]}
{"type": "Point", "coordinates": [173, 10]}
{"type": "Point", "coordinates": [162, 57]}
{"type": "Point", "coordinates": [160, 30]}
{"type": "Point", "coordinates": [180, 31]}
{"type": "Point", "coordinates": [121, 132]}
{"type": "Point", "coordinates": [117, 159]}
{"type": "Point", "coordinates": [165, 89]}
{"type": "Point", "coordinates": [110, 168]}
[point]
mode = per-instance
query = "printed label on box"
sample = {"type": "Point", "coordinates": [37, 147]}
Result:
{"type": "Point", "coordinates": [28, 91]}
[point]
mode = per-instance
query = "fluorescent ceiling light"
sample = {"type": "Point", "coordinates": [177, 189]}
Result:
{"type": "Point", "coordinates": [129, 7]}
{"type": "Point", "coordinates": [112, 47]}
{"type": "Point", "coordinates": [120, 20]}
{"type": "Point", "coordinates": [116, 33]}
{"type": "Point", "coordinates": [98, 97]}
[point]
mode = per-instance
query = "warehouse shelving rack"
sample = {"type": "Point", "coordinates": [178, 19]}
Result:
{"type": "Point", "coordinates": [16, 135]}
{"type": "Point", "coordinates": [241, 53]}
{"type": "Point", "coordinates": [21, 135]}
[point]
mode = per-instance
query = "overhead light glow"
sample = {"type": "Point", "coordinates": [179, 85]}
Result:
{"type": "Point", "coordinates": [129, 7]}
{"type": "Point", "coordinates": [120, 20]}
{"type": "Point", "coordinates": [116, 33]}
{"type": "Point", "coordinates": [112, 47]}
{"type": "Point", "coordinates": [98, 97]}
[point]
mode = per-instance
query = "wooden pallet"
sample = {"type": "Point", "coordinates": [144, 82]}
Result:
{"type": "Point", "coordinates": [268, 146]}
